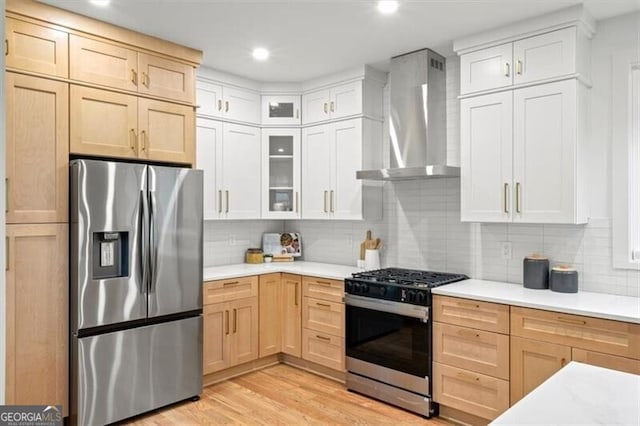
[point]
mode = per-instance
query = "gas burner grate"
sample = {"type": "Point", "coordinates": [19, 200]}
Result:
{"type": "Point", "coordinates": [409, 277]}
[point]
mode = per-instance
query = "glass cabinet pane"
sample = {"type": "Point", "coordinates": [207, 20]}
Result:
{"type": "Point", "coordinates": [281, 172]}
{"type": "Point", "coordinates": [281, 200]}
{"type": "Point", "coordinates": [280, 145]}
{"type": "Point", "coordinates": [281, 109]}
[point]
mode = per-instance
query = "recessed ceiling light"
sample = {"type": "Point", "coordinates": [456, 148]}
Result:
{"type": "Point", "coordinates": [100, 2]}
{"type": "Point", "coordinates": [387, 7]}
{"type": "Point", "coordinates": [260, 54]}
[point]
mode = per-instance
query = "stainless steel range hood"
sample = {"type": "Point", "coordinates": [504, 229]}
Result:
{"type": "Point", "coordinates": [417, 120]}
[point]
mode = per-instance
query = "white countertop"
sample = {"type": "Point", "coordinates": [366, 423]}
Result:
{"type": "Point", "coordinates": [313, 269]}
{"type": "Point", "coordinates": [599, 305]}
{"type": "Point", "coordinates": [579, 394]}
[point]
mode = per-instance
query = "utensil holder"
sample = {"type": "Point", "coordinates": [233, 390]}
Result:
{"type": "Point", "coordinates": [371, 259]}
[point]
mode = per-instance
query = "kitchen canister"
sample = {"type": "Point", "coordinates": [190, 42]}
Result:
{"type": "Point", "coordinates": [535, 272]}
{"type": "Point", "coordinates": [563, 279]}
{"type": "Point", "coordinates": [253, 255]}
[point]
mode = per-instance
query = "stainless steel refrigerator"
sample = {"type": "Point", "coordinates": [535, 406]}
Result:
{"type": "Point", "coordinates": [135, 288]}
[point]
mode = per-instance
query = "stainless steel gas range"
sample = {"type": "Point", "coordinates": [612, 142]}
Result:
{"type": "Point", "coordinates": [388, 335]}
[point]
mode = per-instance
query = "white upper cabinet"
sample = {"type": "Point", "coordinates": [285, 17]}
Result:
{"type": "Point", "coordinates": [229, 155]}
{"type": "Point", "coordinates": [331, 155]}
{"type": "Point", "coordinates": [541, 58]}
{"type": "Point", "coordinates": [280, 110]}
{"type": "Point", "coordinates": [228, 103]}
{"type": "Point", "coordinates": [520, 157]}
{"type": "Point", "coordinates": [341, 101]}
{"type": "Point", "coordinates": [281, 173]}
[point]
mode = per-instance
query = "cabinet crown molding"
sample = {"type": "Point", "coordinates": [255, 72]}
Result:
{"type": "Point", "coordinates": [576, 15]}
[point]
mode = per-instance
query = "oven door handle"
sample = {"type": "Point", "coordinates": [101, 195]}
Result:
{"type": "Point", "coordinates": [404, 309]}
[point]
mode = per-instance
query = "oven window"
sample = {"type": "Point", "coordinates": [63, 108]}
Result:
{"type": "Point", "coordinates": [390, 340]}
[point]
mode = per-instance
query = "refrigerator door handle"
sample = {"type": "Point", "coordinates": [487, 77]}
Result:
{"type": "Point", "coordinates": [144, 241]}
{"type": "Point", "coordinates": [153, 244]}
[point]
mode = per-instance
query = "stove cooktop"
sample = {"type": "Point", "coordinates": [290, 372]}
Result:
{"type": "Point", "coordinates": [399, 284]}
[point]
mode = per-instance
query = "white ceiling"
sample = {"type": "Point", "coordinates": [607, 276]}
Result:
{"type": "Point", "coordinates": [310, 38]}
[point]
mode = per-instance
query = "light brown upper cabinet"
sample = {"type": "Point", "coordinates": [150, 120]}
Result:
{"type": "Point", "coordinates": [110, 124]}
{"type": "Point", "coordinates": [112, 65]}
{"type": "Point", "coordinates": [37, 149]}
{"type": "Point", "coordinates": [36, 48]}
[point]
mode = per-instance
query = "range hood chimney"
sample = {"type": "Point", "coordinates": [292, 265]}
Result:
{"type": "Point", "coordinates": [417, 120]}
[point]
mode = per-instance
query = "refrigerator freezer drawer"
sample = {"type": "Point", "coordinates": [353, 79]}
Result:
{"type": "Point", "coordinates": [125, 373]}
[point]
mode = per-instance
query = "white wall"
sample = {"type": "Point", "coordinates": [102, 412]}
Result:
{"type": "Point", "coordinates": [2, 231]}
{"type": "Point", "coordinates": [422, 229]}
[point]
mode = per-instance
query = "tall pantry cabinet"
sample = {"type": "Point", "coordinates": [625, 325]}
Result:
{"type": "Point", "coordinates": [46, 72]}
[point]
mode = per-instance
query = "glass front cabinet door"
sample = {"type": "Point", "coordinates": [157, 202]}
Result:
{"type": "Point", "coordinates": [281, 110]}
{"type": "Point", "coordinates": [281, 173]}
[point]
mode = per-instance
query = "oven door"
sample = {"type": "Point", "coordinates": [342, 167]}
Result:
{"type": "Point", "coordinates": [390, 334]}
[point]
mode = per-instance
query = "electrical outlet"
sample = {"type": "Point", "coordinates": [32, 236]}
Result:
{"type": "Point", "coordinates": [232, 240]}
{"type": "Point", "coordinates": [505, 250]}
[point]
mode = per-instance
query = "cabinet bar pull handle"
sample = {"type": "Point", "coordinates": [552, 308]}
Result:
{"type": "Point", "coordinates": [219, 201]}
{"type": "Point", "coordinates": [468, 377]}
{"type": "Point", "coordinates": [572, 321]}
{"type": "Point", "coordinates": [295, 294]}
{"type": "Point", "coordinates": [296, 201]}
{"type": "Point", "coordinates": [6, 195]}
{"type": "Point", "coordinates": [219, 104]}
{"type": "Point", "coordinates": [468, 304]}
{"type": "Point", "coordinates": [325, 108]}
{"type": "Point", "coordinates": [134, 77]}
{"type": "Point", "coordinates": [323, 283]}
{"type": "Point", "coordinates": [226, 106]}
{"type": "Point", "coordinates": [325, 202]}
{"type": "Point", "coordinates": [6, 47]}
{"type": "Point", "coordinates": [324, 305]}
{"type": "Point", "coordinates": [519, 67]}
{"type": "Point", "coordinates": [506, 197]}
{"type": "Point", "coordinates": [226, 313]}
{"type": "Point", "coordinates": [231, 283]}
{"type": "Point", "coordinates": [333, 106]}
{"type": "Point", "coordinates": [146, 80]}
{"type": "Point", "coordinates": [331, 201]}
{"type": "Point", "coordinates": [507, 69]}
{"type": "Point", "coordinates": [7, 254]}
{"type": "Point", "coordinates": [297, 113]}
{"type": "Point", "coordinates": [227, 201]}
{"type": "Point", "coordinates": [143, 135]}
{"type": "Point", "coordinates": [235, 320]}
{"type": "Point", "coordinates": [518, 197]}
{"type": "Point", "coordinates": [133, 138]}
{"type": "Point", "coordinates": [328, 339]}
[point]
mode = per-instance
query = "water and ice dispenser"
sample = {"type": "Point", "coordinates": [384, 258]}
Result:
{"type": "Point", "coordinates": [110, 255]}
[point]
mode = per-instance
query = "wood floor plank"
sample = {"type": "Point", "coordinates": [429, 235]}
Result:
{"type": "Point", "coordinates": [281, 395]}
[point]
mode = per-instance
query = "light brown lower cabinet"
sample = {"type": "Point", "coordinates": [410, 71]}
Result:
{"type": "Point", "coordinates": [613, 362]}
{"type": "Point", "coordinates": [323, 348]}
{"type": "Point", "coordinates": [323, 315]}
{"type": "Point", "coordinates": [270, 314]}
{"type": "Point", "coordinates": [481, 395]}
{"type": "Point", "coordinates": [230, 334]}
{"type": "Point", "coordinates": [37, 315]}
{"type": "Point", "coordinates": [291, 330]}
{"type": "Point", "coordinates": [533, 362]}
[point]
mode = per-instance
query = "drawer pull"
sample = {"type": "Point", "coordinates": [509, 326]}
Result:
{"type": "Point", "coordinates": [468, 377]}
{"type": "Point", "coordinates": [231, 283]}
{"type": "Point", "coordinates": [327, 339]}
{"type": "Point", "coordinates": [572, 321]}
{"type": "Point", "coordinates": [323, 283]}
{"type": "Point", "coordinates": [324, 305]}
{"type": "Point", "coordinates": [469, 305]}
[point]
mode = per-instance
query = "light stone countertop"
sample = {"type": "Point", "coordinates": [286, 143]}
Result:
{"type": "Point", "coordinates": [599, 305]}
{"type": "Point", "coordinates": [579, 394]}
{"type": "Point", "coordinates": [313, 269]}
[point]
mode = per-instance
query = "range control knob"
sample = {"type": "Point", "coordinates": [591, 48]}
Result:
{"type": "Point", "coordinates": [349, 287]}
{"type": "Point", "coordinates": [411, 296]}
{"type": "Point", "coordinates": [356, 288]}
{"type": "Point", "coordinates": [422, 297]}
{"type": "Point", "coordinates": [364, 288]}
{"type": "Point", "coordinates": [382, 290]}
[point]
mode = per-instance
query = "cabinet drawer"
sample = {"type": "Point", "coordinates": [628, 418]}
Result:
{"type": "Point", "coordinates": [600, 335]}
{"type": "Point", "coordinates": [471, 313]}
{"type": "Point", "coordinates": [230, 289]}
{"type": "Point", "coordinates": [613, 362]}
{"type": "Point", "coordinates": [484, 396]}
{"type": "Point", "coordinates": [480, 351]}
{"type": "Point", "coordinates": [325, 289]}
{"type": "Point", "coordinates": [324, 349]}
{"type": "Point", "coordinates": [324, 316]}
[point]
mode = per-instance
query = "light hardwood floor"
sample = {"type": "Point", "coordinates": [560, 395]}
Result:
{"type": "Point", "coordinates": [281, 395]}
